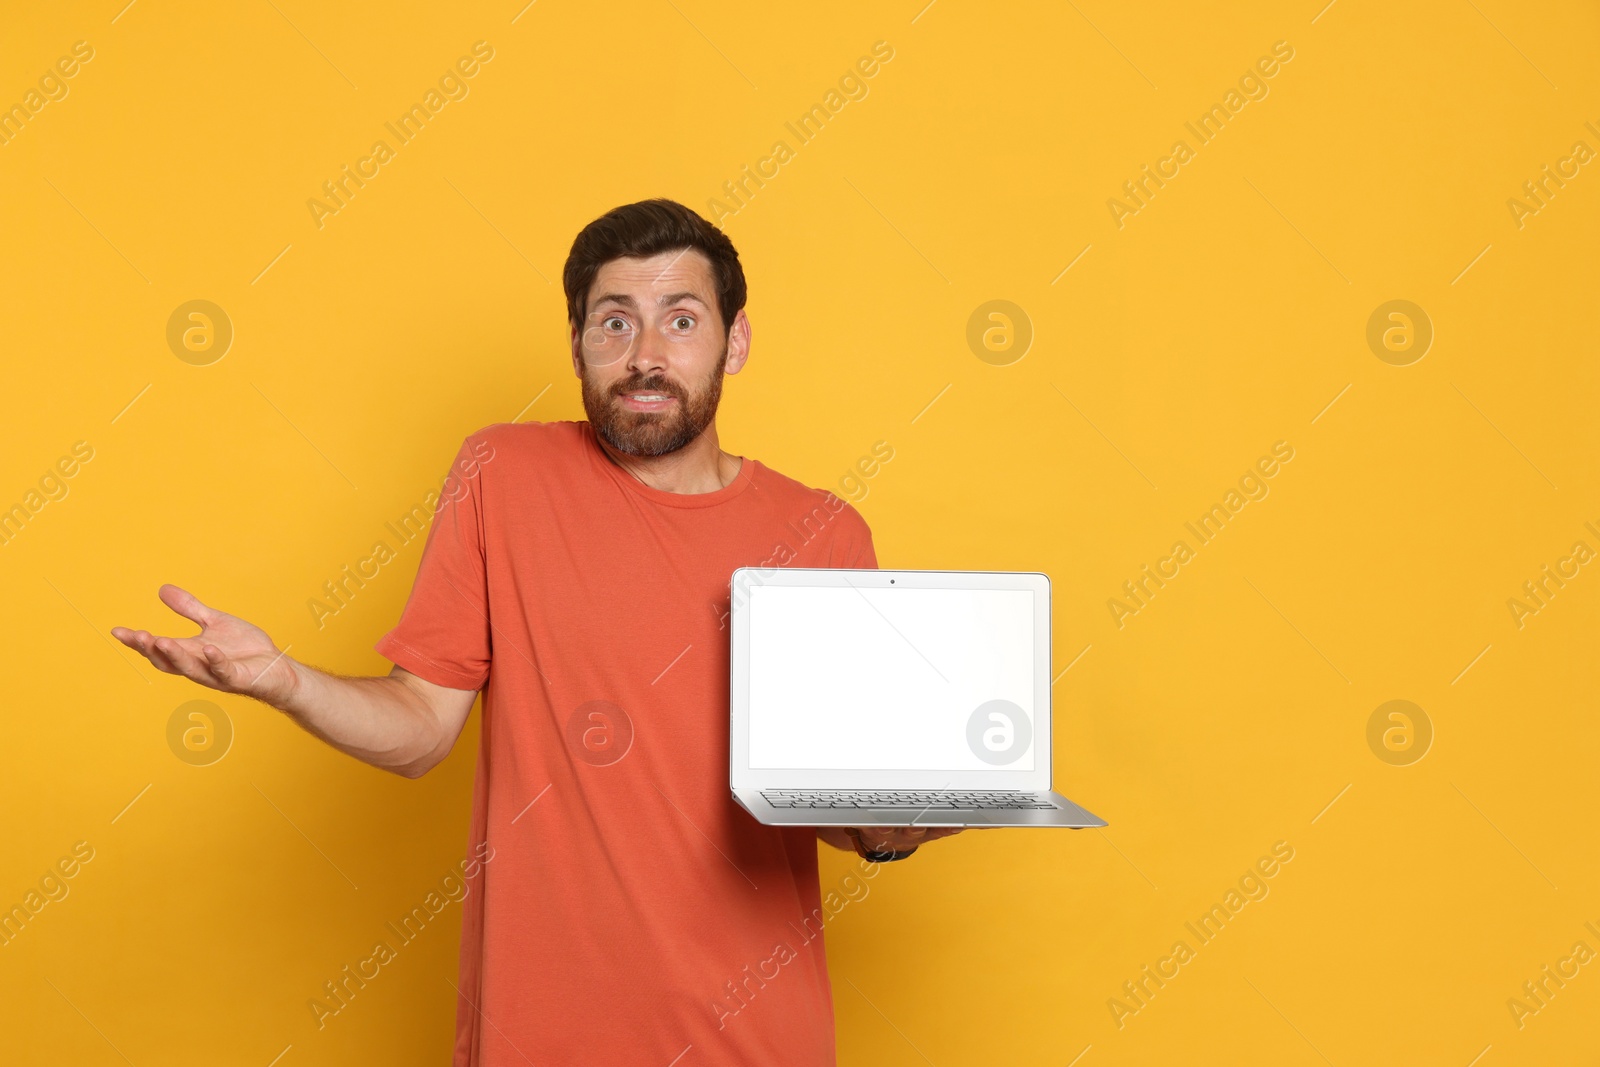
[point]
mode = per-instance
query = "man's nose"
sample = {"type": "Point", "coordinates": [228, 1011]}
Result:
{"type": "Point", "coordinates": [649, 352]}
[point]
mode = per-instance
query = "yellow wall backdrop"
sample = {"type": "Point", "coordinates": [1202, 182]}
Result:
{"type": "Point", "coordinates": [1158, 339]}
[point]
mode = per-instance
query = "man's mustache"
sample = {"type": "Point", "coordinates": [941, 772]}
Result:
{"type": "Point", "coordinates": [647, 387]}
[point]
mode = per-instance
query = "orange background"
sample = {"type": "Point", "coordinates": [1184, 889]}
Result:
{"type": "Point", "coordinates": [1167, 355]}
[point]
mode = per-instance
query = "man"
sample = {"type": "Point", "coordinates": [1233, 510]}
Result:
{"type": "Point", "coordinates": [578, 572]}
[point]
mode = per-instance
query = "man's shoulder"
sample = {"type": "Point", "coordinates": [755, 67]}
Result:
{"type": "Point", "coordinates": [791, 495]}
{"type": "Point", "coordinates": [515, 457]}
{"type": "Point", "coordinates": [531, 438]}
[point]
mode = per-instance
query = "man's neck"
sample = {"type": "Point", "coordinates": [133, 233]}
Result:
{"type": "Point", "coordinates": [699, 467]}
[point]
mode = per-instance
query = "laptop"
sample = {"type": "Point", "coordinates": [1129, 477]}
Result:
{"type": "Point", "coordinates": [893, 698]}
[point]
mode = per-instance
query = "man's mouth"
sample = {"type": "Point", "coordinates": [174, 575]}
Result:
{"type": "Point", "coordinates": [647, 401]}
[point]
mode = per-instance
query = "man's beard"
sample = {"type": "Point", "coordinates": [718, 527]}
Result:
{"type": "Point", "coordinates": [651, 433]}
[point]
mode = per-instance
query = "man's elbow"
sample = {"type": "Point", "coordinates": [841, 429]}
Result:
{"type": "Point", "coordinates": [432, 733]}
{"type": "Point", "coordinates": [420, 765]}
{"type": "Point", "coordinates": [413, 770]}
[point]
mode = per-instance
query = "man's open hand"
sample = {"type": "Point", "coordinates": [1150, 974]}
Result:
{"type": "Point", "coordinates": [227, 654]}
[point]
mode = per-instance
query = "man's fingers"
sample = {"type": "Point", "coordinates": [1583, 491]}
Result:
{"type": "Point", "coordinates": [187, 604]}
{"type": "Point", "coordinates": [168, 655]}
{"type": "Point", "coordinates": [203, 663]}
{"type": "Point", "coordinates": [138, 640]}
{"type": "Point", "coordinates": [174, 654]}
{"type": "Point", "coordinates": [193, 667]}
{"type": "Point", "coordinates": [224, 672]}
{"type": "Point", "coordinates": [145, 642]}
{"type": "Point", "coordinates": [903, 837]}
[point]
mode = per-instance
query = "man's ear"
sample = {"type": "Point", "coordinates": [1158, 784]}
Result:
{"type": "Point", "coordinates": [738, 343]}
{"type": "Point", "coordinates": [576, 342]}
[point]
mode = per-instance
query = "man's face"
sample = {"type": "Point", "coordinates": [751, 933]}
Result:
{"type": "Point", "coordinates": [653, 350]}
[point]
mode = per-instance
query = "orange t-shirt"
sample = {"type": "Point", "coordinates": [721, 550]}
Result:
{"type": "Point", "coordinates": [629, 911]}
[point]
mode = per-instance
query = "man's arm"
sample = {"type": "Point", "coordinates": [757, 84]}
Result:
{"type": "Point", "coordinates": [399, 722]}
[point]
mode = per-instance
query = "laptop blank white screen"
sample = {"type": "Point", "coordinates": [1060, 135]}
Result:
{"type": "Point", "coordinates": [891, 679]}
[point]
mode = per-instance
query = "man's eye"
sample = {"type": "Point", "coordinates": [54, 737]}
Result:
{"type": "Point", "coordinates": [680, 320]}
{"type": "Point", "coordinates": [614, 318]}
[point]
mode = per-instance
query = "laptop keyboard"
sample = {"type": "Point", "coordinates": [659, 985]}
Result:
{"type": "Point", "coordinates": [924, 799]}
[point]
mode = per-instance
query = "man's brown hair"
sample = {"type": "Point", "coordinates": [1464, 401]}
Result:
{"type": "Point", "coordinates": [645, 229]}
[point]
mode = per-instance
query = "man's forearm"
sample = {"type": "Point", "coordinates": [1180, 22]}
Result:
{"type": "Point", "coordinates": [378, 720]}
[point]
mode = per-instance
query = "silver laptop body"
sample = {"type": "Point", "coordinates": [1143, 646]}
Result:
{"type": "Point", "coordinates": [893, 698]}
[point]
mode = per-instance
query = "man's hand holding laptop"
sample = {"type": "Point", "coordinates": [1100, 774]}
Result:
{"type": "Point", "coordinates": [886, 838]}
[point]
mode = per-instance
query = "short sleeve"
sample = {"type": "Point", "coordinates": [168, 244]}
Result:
{"type": "Point", "coordinates": [853, 546]}
{"type": "Point", "coordinates": [443, 633]}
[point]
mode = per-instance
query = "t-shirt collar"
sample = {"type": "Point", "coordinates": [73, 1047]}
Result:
{"type": "Point", "coordinates": [741, 480]}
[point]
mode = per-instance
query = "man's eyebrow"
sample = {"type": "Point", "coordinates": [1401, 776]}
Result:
{"type": "Point", "coordinates": [669, 298]}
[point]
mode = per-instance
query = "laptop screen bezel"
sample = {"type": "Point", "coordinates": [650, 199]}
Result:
{"type": "Point", "coordinates": [742, 776]}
